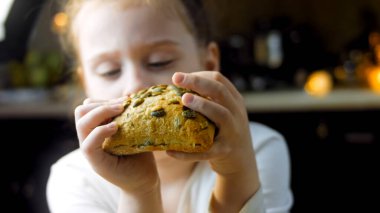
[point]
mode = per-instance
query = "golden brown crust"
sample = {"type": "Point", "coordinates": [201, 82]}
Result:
{"type": "Point", "coordinates": [155, 119]}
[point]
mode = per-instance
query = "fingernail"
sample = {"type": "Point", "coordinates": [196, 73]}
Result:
{"type": "Point", "coordinates": [121, 99]}
{"type": "Point", "coordinates": [112, 125]}
{"type": "Point", "coordinates": [118, 100]}
{"type": "Point", "coordinates": [178, 77]}
{"type": "Point", "coordinates": [117, 107]}
{"type": "Point", "coordinates": [87, 101]}
{"type": "Point", "coordinates": [187, 98]}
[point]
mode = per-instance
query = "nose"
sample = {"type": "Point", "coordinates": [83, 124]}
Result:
{"type": "Point", "coordinates": [134, 79]}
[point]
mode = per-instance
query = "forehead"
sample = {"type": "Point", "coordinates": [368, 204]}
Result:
{"type": "Point", "coordinates": [171, 9]}
{"type": "Point", "coordinates": [96, 17]}
{"type": "Point", "coordinates": [110, 26]}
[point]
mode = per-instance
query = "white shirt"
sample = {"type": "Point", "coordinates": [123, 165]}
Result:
{"type": "Point", "coordinates": [74, 187]}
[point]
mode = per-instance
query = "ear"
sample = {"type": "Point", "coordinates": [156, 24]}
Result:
{"type": "Point", "coordinates": [212, 62]}
{"type": "Point", "coordinates": [80, 76]}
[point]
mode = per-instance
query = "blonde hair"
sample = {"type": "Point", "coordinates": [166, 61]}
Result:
{"type": "Point", "coordinates": [191, 12]}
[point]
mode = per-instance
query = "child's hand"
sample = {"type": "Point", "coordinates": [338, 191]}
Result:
{"type": "Point", "coordinates": [133, 173]}
{"type": "Point", "coordinates": [232, 152]}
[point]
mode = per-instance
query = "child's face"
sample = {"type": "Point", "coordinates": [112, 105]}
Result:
{"type": "Point", "coordinates": [124, 50]}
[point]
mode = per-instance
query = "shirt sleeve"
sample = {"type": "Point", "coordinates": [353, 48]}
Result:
{"type": "Point", "coordinates": [63, 195]}
{"type": "Point", "coordinates": [255, 204]}
{"type": "Point", "coordinates": [273, 163]}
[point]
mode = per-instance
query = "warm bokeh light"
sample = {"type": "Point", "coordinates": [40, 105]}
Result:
{"type": "Point", "coordinates": [60, 22]}
{"type": "Point", "coordinates": [373, 78]}
{"type": "Point", "coordinates": [377, 53]}
{"type": "Point", "coordinates": [319, 83]}
{"type": "Point", "coordinates": [374, 39]}
{"type": "Point", "coordinates": [340, 73]}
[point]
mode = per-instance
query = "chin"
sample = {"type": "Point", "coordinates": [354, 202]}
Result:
{"type": "Point", "coordinates": [161, 155]}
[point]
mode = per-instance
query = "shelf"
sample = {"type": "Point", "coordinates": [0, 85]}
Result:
{"type": "Point", "coordinates": [298, 100]}
{"type": "Point", "coordinates": [259, 102]}
{"type": "Point", "coordinates": [37, 103]}
{"type": "Point", "coordinates": [42, 110]}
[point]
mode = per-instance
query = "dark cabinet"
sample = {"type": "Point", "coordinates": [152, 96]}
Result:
{"type": "Point", "coordinates": [29, 147]}
{"type": "Point", "coordinates": [334, 156]}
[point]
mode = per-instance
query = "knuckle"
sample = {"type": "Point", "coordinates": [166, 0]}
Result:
{"type": "Point", "coordinates": [81, 124]}
{"type": "Point", "coordinates": [87, 101]}
{"type": "Point", "coordinates": [217, 76]}
{"type": "Point", "coordinates": [240, 98]}
{"type": "Point", "coordinates": [86, 149]}
{"type": "Point", "coordinates": [103, 109]}
{"type": "Point", "coordinates": [194, 80]}
{"type": "Point", "coordinates": [79, 111]}
{"type": "Point", "coordinates": [225, 113]}
{"type": "Point", "coordinates": [220, 89]}
{"type": "Point", "coordinates": [199, 103]}
{"type": "Point", "coordinates": [98, 130]}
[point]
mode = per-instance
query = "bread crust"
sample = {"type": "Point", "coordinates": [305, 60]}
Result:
{"type": "Point", "coordinates": [156, 119]}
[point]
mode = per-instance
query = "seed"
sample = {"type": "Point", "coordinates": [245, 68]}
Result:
{"type": "Point", "coordinates": [157, 108]}
{"type": "Point", "coordinates": [189, 114]}
{"type": "Point", "coordinates": [147, 94]}
{"type": "Point", "coordinates": [157, 91]}
{"type": "Point", "coordinates": [177, 90]}
{"type": "Point", "coordinates": [204, 125]}
{"type": "Point", "coordinates": [158, 113]}
{"type": "Point", "coordinates": [177, 123]}
{"type": "Point", "coordinates": [162, 86]}
{"type": "Point", "coordinates": [142, 92]}
{"type": "Point", "coordinates": [126, 103]}
{"type": "Point", "coordinates": [138, 102]}
{"type": "Point", "coordinates": [173, 101]}
{"type": "Point", "coordinates": [148, 143]}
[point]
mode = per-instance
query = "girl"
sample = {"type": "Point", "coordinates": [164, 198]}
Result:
{"type": "Point", "coordinates": [126, 45]}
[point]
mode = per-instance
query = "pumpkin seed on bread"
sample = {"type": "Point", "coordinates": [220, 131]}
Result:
{"type": "Point", "coordinates": [155, 119]}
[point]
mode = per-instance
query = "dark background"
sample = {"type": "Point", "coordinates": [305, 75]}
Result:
{"type": "Point", "coordinates": [334, 156]}
{"type": "Point", "coordinates": [334, 153]}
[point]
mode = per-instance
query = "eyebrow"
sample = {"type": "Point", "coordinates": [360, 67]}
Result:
{"type": "Point", "coordinates": [161, 43]}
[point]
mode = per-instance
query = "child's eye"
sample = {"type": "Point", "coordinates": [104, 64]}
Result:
{"type": "Point", "coordinates": [160, 64]}
{"type": "Point", "coordinates": [111, 73]}
{"type": "Point", "coordinates": [108, 69]}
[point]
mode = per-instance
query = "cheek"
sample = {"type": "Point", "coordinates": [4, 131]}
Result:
{"type": "Point", "coordinates": [97, 90]}
{"type": "Point", "coordinates": [194, 61]}
{"type": "Point", "coordinates": [162, 77]}
{"type": "Point", "coordinates": [192, 65]}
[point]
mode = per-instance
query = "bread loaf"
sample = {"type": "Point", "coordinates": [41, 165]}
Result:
{"type": "Point", "coordinates": [156, 119]}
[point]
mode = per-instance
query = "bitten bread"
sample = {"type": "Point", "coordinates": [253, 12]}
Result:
{"type": "Point", "coordinates": [156, 119]}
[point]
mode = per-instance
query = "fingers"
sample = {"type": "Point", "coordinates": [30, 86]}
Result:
{"type": "Point", "coordinates": [95, 118]}
{"type": "Point", "coordinates": [216, 112]}
{"type": "Point", "coordinates": [82, 110]}
{"type": "Point", "coordinates": [112, 101]}
{"type": "Point", "coordinates": [213, 85]}
{"type": "Point", "coordinates": [90, 104]}
{"type": "Point", "coordinates": [221, 78]}
{"type": "Point", "coordinates": [92, 145]}
{"type": "Point", "coordinates": [218, 150]}
{"type": "Point", "coordinates": [94, 113]}
{"type": "Point", "coordinates": [186, 79]}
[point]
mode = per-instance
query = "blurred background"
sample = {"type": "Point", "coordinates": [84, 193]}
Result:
{"type": "Point", "coordinates": [310, 69]}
